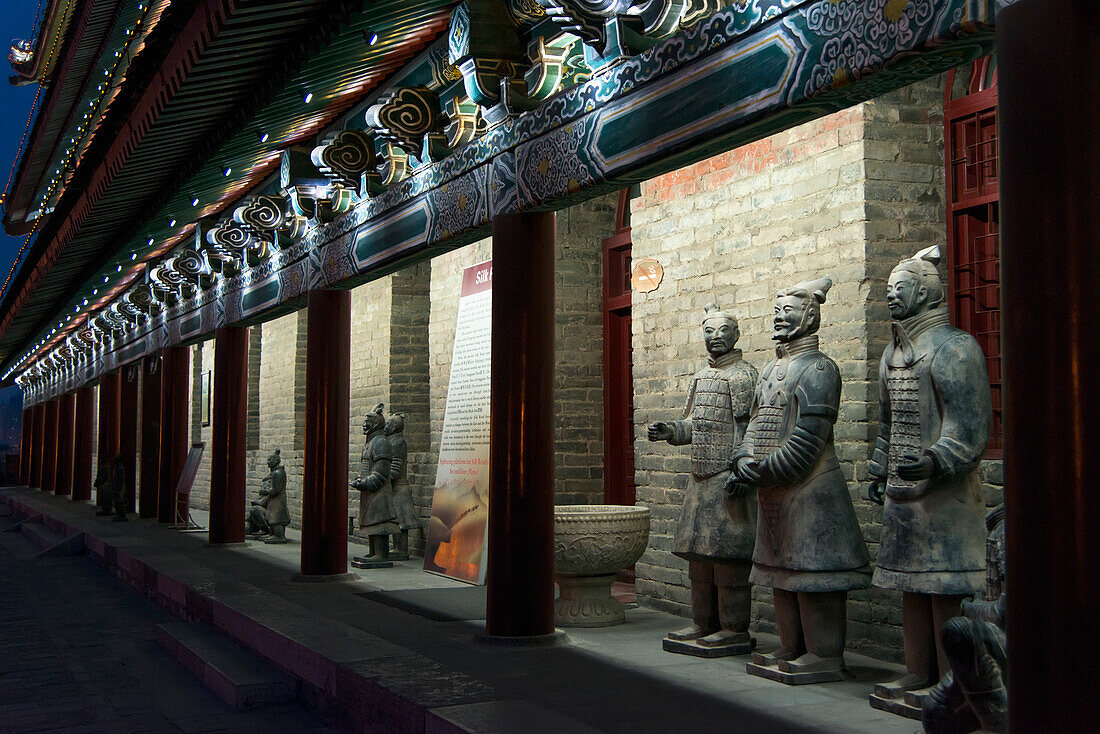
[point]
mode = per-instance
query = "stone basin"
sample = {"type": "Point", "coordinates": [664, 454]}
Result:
{"type": "Point", "coordinates": [592, 543]}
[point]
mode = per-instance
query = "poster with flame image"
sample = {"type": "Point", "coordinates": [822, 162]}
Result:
{"type": "Point", "coordinates": [459, 526]}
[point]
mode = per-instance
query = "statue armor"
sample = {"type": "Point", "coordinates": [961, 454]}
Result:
{"type": "Point", "coordinates": [904, 387]}
{"type": "Point", "coordinates": [712, 424]}
{"type": "Point", "coordinates": [712, 525]}
{"type": "Point", "coordinates": [808, 537]}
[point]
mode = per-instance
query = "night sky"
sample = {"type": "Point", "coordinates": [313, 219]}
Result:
{"type": "Point", "coordinates": [15, 106]}
{"type": "Point", "coordinates": [17, 20]}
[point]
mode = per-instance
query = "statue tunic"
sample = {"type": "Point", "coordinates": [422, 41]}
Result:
{"type": "Point", "coordinates": [713, 526]}
{"type": "Point", "coordinates": [808, 538]}
{"type": "Point", "coordinates": [376, 511]}
{"type": "Point", "coordinates": [402, 496]}
{"type": "Point", "coordinates": [934, 400]}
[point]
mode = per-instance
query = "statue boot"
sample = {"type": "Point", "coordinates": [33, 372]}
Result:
{"type": "Point", "coordinates": [923, 617]}
{"type": "Point", "coordinates": [788, 622]}
{"type": "Point", "coordinates": [824, 618]}
{"type": "Point", "coordinates": [704, 604]}
{"type": "Point", "coordinates": [278, 535]}
{"type": "Point", "coordinates": [734, 609]}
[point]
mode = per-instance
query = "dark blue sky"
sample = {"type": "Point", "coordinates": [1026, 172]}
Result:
{"type": "Point", "coordinates": [15, 106]}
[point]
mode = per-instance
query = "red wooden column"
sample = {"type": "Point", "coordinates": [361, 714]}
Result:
{"type": "Point", "coordinates": [127, 429]}
{"type": "Point", "coordinates": [25, 447]}
{"type": "Point", "coordinates": [325, 470]}
{"type": "Point", "coordinates": [173, 428]}
{"type": "Point", "coordinates": [66, 414]}
{"type": "Point", "coordinates": [521, 454]}
{"type": "Point", "coordinates": [150, 436]}
{"type": "Point", "coordinates": [37, 441]}
{"type": "Point", "coordinates": [228, 443]}
{"type": "Point", "coordinates": [82, 444]}
{"type": "Point", "coordinates": [1050, 258]}
{"type": "Point", "coordinates": [49, 447]}
{"type": "Point", "coordinates": [108, 433]}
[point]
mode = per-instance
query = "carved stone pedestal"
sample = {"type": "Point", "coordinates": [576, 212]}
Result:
{"type": "Point", "coordinates": [399, 556]}
{"type": "Point", "coordinates": [586, 601]}
{"type": "Point", "coordinates": [692, 647]}
{"type": "Point", "coordinates": [765, 668]}
{"type": "Point", "coordinates": [364, 562]}
{"type": "Point", "coordinates": [908, 704]}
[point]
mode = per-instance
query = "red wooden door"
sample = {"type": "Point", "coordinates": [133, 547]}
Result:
{"type": "Point", "coordinates": [973, 219]}
{"type": "Point", "coordinates": [618, 377]}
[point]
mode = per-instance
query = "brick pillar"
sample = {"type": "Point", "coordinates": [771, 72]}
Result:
{"type": "Point", "coordinates": [328, 414]}
{"type": "Point", "coordinates": [82, 444]}
{"type": "Point", "coordinates": [37, 441]}
{"type": "Point", "coordinates": [228, 445]}
{"type": "Point", "coordinates": [108, 434]}
{"type": "Point", "coordinates": [127, 429]}
{"type": "Point", "coordinates": [66, 415]}
{"type": "Point", "coordinates": [49, 447]}
{"type": "Point", "coordinates": [150, 436]}
{"type": "Point", "coordinates": [1048, 91]}
{"type": "Point", "coordinates": [521, 445]}
{"type": "Point", "coordinates": [173, 428]}
{"type": "Point", "coordinates": [25, 447]}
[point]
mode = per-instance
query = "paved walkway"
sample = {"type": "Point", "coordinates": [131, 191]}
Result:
{"type": "Point", "coordinates": [77, 654]}
{"type": "Point", "coordinates": [390, 670]}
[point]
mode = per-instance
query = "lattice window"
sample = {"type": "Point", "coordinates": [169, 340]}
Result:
{"type": "Point", "coordinates": [973, 256]}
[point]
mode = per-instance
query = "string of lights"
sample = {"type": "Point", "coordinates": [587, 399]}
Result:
{"type": "Point", "coordinates": [83, 129]}
{"type": "Point", "coordinates": [34, 107]}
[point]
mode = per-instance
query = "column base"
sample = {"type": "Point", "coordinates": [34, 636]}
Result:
{"type": "Point", "coordinates": [556, 638]}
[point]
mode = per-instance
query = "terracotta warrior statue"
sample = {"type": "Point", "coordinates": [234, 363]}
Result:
{"type": "Point", "coordinates": [117, 489]}
{"type": "Point", "coordinates": [973, 696]}
{"type": "Point", "coordinates": [402, 497]}
{"type": "Point", "coordinates": [104, 499]}
{"type": "Point", "coordinates": [934, 422]}
{"type": "Point", "coordinates": [809, 548]}
{"type": "Point", "coordinates": [268, 516]}
{"type": "Point", "coordinates": [717, 531]}
{"type": "Point", "coordinates": [377, 515]}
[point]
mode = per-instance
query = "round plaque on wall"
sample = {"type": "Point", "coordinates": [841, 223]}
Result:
{"type": "Point", "coordinates": [646, 275]}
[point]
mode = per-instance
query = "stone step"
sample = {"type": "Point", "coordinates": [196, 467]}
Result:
{"type": "Point", "coordinates": [239, 677]}
{"type": "Point", "coordinates": [51, 541]}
